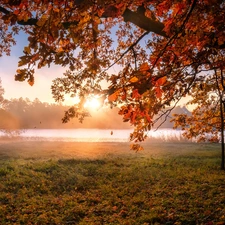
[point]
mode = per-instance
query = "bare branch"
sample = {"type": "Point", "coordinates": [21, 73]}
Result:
{"type": "Point", "coordinates": [166, 114]}
{"type": "Point", "coordinates": [124, 53]}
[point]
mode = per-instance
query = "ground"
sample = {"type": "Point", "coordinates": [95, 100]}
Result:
{"type": "Point", "coordinates": [107, 183]}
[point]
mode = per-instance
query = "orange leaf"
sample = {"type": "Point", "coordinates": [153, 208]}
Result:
{"type": "Point", "coordinates": [56, 10]}
{"type": "Point", "coordinates": [17, 11]}
{"type": "Point", "coordinates": [31, 81]}
{"type": "Point", "coordinates": [148, 117]}
{"type": "Point", "coordinates": [221, 40]}
{"type": "Point", "coordinates": [168, 25]}
{"type": "Point", "coordinates": [144, 67]}
{"type": "Point", "coordinates": [133, 79]}
{"type": "Point", "coordinates": [158, 92]}
{"type": "Point", "coordinates": [120, 5]}
{"type": "Point", "coordinates": [161, 81]}
{"type": "Point", "coordinates": [135, 94]}
{"type": "Point", "coordinates": [113, 97]}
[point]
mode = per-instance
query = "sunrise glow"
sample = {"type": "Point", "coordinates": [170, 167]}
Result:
{"type": "Point", "coordinates": [92, 103]}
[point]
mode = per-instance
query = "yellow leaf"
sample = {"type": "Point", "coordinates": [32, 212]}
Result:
{"type": "Point", "coordinates": [22, 63]}
{"type": "Point", "coordinates": [133, 79]}
{"type": "Point", "coordinates": [144, 67]}
{"type": "Point", "coordinates": [27, 49]}
{"type": "Point", "coordinates": [42, 20]}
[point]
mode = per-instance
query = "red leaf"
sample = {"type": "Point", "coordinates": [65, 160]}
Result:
{"type": "Point", "coordinates": [161, 81]}
{"type": "Point", "coordinates": [135, 94]}
{"type": "Point", "coordinates": [144, 67]}
{"type": "Point", "coordinates": [158, 92]}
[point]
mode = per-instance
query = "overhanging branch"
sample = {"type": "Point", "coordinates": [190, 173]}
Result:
{"type": "Point", "coordinates": [5, 11]}
{"type": "Point", "coordinates": [137, 18]}
{"type": "Point", "coordinates": [34, 21]}
{"type": "Point", "coordinates": [140, 20]}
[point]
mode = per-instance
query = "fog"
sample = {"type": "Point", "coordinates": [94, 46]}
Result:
{"type": "Point", "coordinates": [25, 114]}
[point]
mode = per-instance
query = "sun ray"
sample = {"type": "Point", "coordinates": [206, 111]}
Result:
{"type": "Point", "coordinates": [92, 103]}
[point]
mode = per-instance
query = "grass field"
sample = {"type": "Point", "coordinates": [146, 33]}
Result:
{"type": "Point", "coordinates": [106, 183]}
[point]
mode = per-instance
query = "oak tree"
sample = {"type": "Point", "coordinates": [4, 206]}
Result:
{"type": "Point", "coordinates": [160, 48]}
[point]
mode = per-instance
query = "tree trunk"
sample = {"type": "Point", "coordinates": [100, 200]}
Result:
{"type": "Point", "coordinates": [222, 133]}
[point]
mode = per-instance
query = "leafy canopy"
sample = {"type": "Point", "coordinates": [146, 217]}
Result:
{"type": "Point", "coordinates": [160, 48]}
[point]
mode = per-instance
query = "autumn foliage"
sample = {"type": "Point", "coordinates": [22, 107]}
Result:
{"type": "Point", "coordinates": [161, 50]}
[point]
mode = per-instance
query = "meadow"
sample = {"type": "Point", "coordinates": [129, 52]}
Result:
{"type": "Point", "coordinates": [106, 183]}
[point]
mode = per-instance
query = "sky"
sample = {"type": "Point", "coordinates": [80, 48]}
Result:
{"type": "Point", "coordinates": [43, 77]}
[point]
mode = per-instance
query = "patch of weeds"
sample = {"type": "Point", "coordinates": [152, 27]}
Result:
{"type": "Point", "coordinates": [73, 162]}
{"type": "Point", "coordinates": [6, 168]}
{"type": "Point", "coordinates": [4, 172]}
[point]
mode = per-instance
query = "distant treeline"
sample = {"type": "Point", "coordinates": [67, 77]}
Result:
{"type": "Point", "coordinates": [25, 114]}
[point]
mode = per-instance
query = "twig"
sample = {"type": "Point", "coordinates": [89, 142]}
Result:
{"type": "Point", "coordinates": [124, 53]}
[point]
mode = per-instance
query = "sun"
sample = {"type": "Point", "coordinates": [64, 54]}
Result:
{"type": "Point", "coordinates": [92, 103]}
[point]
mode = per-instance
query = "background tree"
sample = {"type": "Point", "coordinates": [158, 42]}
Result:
{"type": "Point", "coordinates": [161, 48]}
{"type": "Point", "coordinates": [206, 123]}
{"type": "Point", "coordinates": [26, 114]}
{"type": "Point", "coordinates": [2, 91]}
{"type": "Point", "coordinates": [7, 120]}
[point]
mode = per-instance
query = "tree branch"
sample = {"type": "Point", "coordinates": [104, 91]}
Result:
{"type": "Point", "coordinates": [128, 49]}
{"type": "Point", "coordinates": [5, 11]}
{"type": "Point", "coordinates": [33, 21]}
{"type": "Point", "coordinates": [140, 20]}
{"type": "Point", "coordinates": [137, 18]}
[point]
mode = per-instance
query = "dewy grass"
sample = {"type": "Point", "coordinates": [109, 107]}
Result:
{"type": "Point", "coordinates": [185, 188]}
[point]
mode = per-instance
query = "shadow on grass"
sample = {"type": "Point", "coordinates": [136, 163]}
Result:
{"type": "Point", "coordinates": [73, 162]}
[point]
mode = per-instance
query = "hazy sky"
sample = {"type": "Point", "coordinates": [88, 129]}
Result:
{"type": "Point", "coordinates": [43, 77]}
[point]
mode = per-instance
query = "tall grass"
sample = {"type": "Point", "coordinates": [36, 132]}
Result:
{"type": "Point", "coordinates": [167, 137]}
